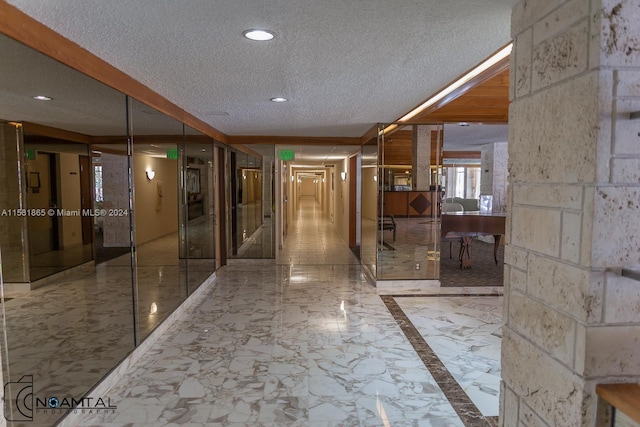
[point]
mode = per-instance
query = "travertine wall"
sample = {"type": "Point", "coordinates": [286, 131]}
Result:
{"type": "Point", "coordinates": [574, 210]}
{"type": "Point", "coordinates": [494, 173]}
{"type": "Point", "coordinates": [115, 181]}
{"type": "Point", "coordinates": [421, 158]}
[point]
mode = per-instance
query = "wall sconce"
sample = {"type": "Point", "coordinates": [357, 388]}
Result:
{"type": "Point", "coordinates": [292, 178]}
{"type": "Point", "coordinates": [150, 174]}
{"type": "Point", "coordinates": [324, 180]}
{"type": "Point", "coordinates": [343, 175]}
{"type": "Point", "coordinates": [375, 178]}
{"type": "Point", "coordinates": [153, 309]}
{"type": "Point", "coordinates": [244, 175]}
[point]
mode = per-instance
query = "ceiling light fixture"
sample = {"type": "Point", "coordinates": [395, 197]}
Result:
{"type": "Point", "coordinates": [43, 98]}
{"type": "Point", "coordinates": [259, 35]}
{"type": "Point", "coordinates": [279, 99]}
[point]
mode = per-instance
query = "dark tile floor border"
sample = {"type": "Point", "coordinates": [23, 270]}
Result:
{"type": "Point", "coordinates": [464, 407]}
{"type": "Point", "coordinates": [445, 295]}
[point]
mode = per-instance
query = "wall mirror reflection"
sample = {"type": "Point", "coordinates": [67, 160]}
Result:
{"type": "Point", "coordinates": [67, 319]}
{"type": "Point", "coordinates": [200, 209]}
{"type": "Point", "coordinates": [249, 238]}
{"type": "Point", "coordinates": [108, 224]}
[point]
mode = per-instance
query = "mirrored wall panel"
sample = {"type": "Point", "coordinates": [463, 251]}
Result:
{"type": "Point", "coordinates": [68, 315]}
{"type": "Point", "coordinates": [199, 185]}
{"type": "Point", "coordinates": [369, 208]}
{"type": "Point", "coordinates": [160, 273]}
{"type": "Point", "coordinates": [257, 178]}
{"type": "Point", "coordinates": [246, 204]}
{"type": "Point", "coordinates": [108, 215]}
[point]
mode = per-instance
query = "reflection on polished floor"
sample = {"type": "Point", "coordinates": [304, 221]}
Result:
{"type": "Point", "coordinates": [415, 253]}
{"type": "Point", "coordinates": [51, 262]}
{"type": "Point", "coordinates": [70, 332]}
{"type": "Point", "coordinates": [312, 344]}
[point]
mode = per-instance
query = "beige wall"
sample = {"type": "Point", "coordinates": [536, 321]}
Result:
{"type": "Point", "coordinates": [341, 211]}
{"type": "Point", "coordinates": [155, 216]}
{"type": "Point", "coordinates": [307, 188]}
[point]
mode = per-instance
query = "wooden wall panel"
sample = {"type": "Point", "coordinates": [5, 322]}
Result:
{"type": "Point", "coordinates": [400, 152]}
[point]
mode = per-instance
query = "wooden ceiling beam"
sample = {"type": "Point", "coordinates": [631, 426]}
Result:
{"type": "Point", "coordinates": [26, 30]}
{"type": "Point", "coordinates": [29, 128]}
{"type": "Point", "coordinates": [291, 140]}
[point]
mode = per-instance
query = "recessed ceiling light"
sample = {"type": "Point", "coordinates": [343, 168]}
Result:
{"type": "Point", "coordinates": [463, 124]}
{"type": "Point", "coordinates": [259, 35]}
{"type": "Point", "coordinates": [42, 98]}
{"type": "Point", "coordinates": [279, 99]}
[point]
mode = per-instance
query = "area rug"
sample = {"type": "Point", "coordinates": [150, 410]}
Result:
{"type": "Point", "coordinates": [484, 271]}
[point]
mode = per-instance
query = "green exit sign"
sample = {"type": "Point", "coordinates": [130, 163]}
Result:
{"type": "Point", "coordinates": [286, 155]}
{"type": "Point", "coordinates": [172, 154]}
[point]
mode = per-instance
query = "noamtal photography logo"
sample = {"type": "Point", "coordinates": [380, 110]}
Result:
{"type": "Point", "coordinates": [22, 405]}
{"type": "Point", "coordinates": [18, 397]}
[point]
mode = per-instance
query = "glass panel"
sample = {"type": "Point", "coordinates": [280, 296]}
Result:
{"type": "Point", "coordinates": [257, 187]}
{"type": "Point", "coordinates": [408, 224]}
{"type": "Point", "coordinates": [62, 333]}
{"type": "Point", "coordinates": [474, 179]}
{"type": "Point", "coordinates": [246, 201]}
{"type": "Point", "coordinates": [58, 178]}
{"type": "Point", "coordinates": [199, 186]}
{"type": "Point", "coordinates": [160, 273]}
{"type": "Point", "coordinates": [371, 183]}
{"type": "Point", "coordinates": [13, 227]}
{"type": "Point", "coordinates": [244, 212]}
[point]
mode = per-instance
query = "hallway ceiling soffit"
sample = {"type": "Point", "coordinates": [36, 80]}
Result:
{"type": "Point", "coordinates": [344, 65]}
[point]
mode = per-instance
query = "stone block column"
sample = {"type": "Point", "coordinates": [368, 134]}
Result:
{"type": "Point", "coordinates": [494, 173]}
{"type": "Point", "coordinates": [571, 320]}
{"type": "Point", "coordinates": [421, 160]}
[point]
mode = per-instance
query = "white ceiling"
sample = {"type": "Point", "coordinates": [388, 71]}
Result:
{"type": "Point", "coordinates": [344, 64]}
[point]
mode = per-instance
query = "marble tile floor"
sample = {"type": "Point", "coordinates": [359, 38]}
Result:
{"type": "Point", "coordinates": [261, 244]}
{"type": "Point", "coordinates": [465, 334]}
{"type": "Point", "coordinates": [282, 346]}
{"type": "Point", "coordinates": [312, 240]}
{"type": "Point", "coordinates": [69, 333]}
{"type": "Point", "coordinates": [307, 343]}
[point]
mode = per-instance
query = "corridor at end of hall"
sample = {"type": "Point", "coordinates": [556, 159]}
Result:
{"type": "Point", "coordinates": [307, 342]}
{"type": "Point", "coordinates": [313, 240]}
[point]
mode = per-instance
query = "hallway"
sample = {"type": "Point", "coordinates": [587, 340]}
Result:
{"type": "Point", "coordinates": [312, 239]}
{"type": "Point", "coordinates": [311, 343]}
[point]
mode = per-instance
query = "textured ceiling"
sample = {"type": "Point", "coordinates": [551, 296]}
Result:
{"type": "Point", "coordinates": [344, 64]}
